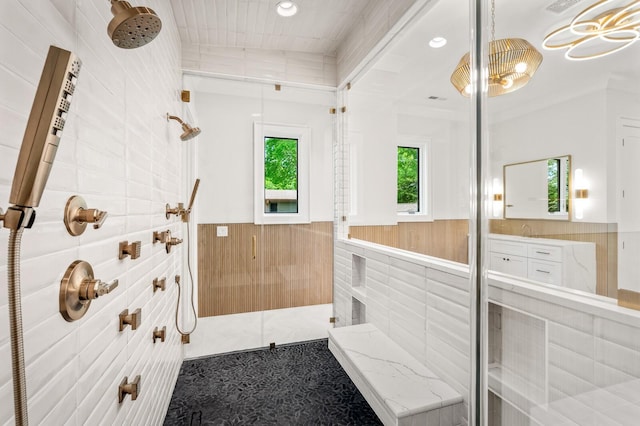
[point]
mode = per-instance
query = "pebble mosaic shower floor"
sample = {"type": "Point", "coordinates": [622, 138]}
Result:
{"type": "Point", "coordinates": [299, 384]}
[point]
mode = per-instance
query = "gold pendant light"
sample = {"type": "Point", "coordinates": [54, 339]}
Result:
{"type": "Point", "coordinates": [592, 35]}
{"type": "Point", "coordinates": [512, 63]}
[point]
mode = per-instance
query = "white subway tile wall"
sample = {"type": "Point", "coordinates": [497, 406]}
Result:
{"type": "Point", "coordinates": [423, 306]}
{"type": "Point", "coordinates": [119, 153]}
{"type": "Point", "coordinates": [272, 65]}
{"type": "Point", "coordinates": [561, 359]}
{"type": "Point", "coordinates": [591, 350]}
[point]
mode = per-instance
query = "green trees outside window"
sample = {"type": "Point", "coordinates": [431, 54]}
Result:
{"type": "Point", "coordinates": [408, 179]}
{"type": "Point", "coordinates": [281, 175]}
{"type": "Point", "coordinates": [557, 186]}
{"type": "Point", "coordinates": [280, 164]}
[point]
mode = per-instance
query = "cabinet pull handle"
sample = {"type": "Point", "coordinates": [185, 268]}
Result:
{"type": "Point", "coordinates": [253, 246]}
{"type": "Point", "coordinates": [544, 272]}
{"type": "Point", "coordinates": [542, 252]}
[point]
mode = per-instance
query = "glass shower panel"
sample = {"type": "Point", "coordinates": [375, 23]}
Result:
{"type": "Point", "coordinates": [229, 290]}
{"type": "Point", "coordinates": [265, 215]}
{"type": "Point", "coordinates": [561, 246]}
{"type": "Point", "coordinates": [296, 236]}
{"type": "Point", "coordinates": [405, 173]}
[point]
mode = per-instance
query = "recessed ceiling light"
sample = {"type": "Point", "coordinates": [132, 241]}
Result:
{"type": "Point", "coordinates": [437, 42]}
{"type": "Point", "coordinates": [287, 8]}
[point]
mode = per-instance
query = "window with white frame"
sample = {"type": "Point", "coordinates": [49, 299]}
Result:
{"type": "Point", "coordinates": [413, 191]}
{"type": "Point", "coordinates": [281, 154]}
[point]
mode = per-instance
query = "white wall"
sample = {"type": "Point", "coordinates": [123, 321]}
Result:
{"type": "Point", "coordinates": [376, 128]}
{"type": "Point", "coordinates": [121, 155]}
{"type": "Point", "coordinates": [379, 22]}
{"type": "Point", "coordinates": [575, 127]}
{"type": "Point", "coordinates": [225, 151]}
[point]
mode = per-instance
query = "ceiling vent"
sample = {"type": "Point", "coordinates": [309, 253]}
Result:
{"type": "Point", "coordinates": [560, 6]}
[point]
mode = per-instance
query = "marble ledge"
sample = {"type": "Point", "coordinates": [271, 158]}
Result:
{"type": "Point", "coordinates": [405, 386]}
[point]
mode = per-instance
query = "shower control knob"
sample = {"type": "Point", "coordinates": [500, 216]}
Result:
{"type": "Point", "coordinates": [78, 288]}
{"type": "Point", "coordinates": [105, 288]}
{"type": "Point", "coordinates": [77, 215]}
{"type": "Point", "coordinates": [168, 211]}
{"type": "Point", "coordinates": [92, 289]}
{"type": "Point", "coordinates": [161, 236]}
{"type": "Point", "coordinates": [172, 242]}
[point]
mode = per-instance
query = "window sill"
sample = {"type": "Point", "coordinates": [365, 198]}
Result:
{"type": "Point", "coordinates": [418, 217]}
{"type": "Point", "coordinates": [283, 219]}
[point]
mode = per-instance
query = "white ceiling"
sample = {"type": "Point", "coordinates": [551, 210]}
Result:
{"type": "Point", "coordinates": [319, 26]}
{"type": "Point", "coordinates": [410, 71]}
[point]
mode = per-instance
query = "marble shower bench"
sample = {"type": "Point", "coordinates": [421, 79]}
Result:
{"type": "Point", "coordinates": [401, 390]}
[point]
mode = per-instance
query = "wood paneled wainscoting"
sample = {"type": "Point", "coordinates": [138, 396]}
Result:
{"type": "Point", "coordinates": [446, 239]}
{"type": "Point", "coordinates": [287, 266]}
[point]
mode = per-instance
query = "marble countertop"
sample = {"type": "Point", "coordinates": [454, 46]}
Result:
{"type": "Point", "coordinates": [406, 385]}
{"type": "Point", "coordinates": [538, 240]}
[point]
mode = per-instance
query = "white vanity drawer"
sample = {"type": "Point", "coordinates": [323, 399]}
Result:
{"type": "Point", "coordinates": [508, 247]}
{"type": "Point", "coordinates": [513, 265]}
{"type": "Point", "coordinates": [546, 272]}
{"type": "Point", "coordinates": [544, 252]}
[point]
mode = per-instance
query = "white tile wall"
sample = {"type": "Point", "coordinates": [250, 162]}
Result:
{"type": "Point", "coordinates": [270, 65]}
{"type": "Point", "coordinates": [423, 306]}
{"type": "Point", "coordinates": [592, 353]}
{"type": "Point", "coordinates": [581, 355]}
{"type": "Point", "coordinates": [121, 155]}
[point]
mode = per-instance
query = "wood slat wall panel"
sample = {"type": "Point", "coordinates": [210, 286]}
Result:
{"type": "Point", "coordinates": [293, 267]}
{"type": "Point", "coordinates": [385, 234]}
{"type": "Point", "coordinates": [446, 239]}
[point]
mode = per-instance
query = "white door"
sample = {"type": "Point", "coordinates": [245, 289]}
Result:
{"type": "Point", "coordinates": [629, 209]}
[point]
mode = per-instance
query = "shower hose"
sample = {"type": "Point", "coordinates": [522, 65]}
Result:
{"type": "Point", "coordinates": [15, 324]}
{"type": "Point", "coordinates": [193, 307]}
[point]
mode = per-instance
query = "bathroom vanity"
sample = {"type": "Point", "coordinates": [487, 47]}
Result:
{"type": "Point", "coordinates": [570, 264]}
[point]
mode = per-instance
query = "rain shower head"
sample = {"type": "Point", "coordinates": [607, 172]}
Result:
{"type": "Point", "coordinates": [132, 27]}
{"type": "Point", "coordinates": [188, 132]}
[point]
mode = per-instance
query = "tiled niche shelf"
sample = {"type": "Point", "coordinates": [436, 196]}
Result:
{"type": "Point", "coordinates": [517, 371]}
{"type": "Point", "coordinates": [359, 278]}
{"type": "Point", "coordinates": [358, 312]}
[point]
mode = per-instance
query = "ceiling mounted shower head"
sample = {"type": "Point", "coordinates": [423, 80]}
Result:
{"type": "Point", "coordinates": [132, 27]}
{"type": "Point", "coordinates": [188, 132]}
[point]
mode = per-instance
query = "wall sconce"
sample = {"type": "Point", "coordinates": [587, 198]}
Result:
{"type": "Point", "coordinates": [497, 198]}
{"type": "Point", "coordinates": [581, 193]}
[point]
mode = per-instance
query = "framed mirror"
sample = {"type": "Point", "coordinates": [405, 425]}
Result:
{"type": "Point", "coordinates": [538, 189]}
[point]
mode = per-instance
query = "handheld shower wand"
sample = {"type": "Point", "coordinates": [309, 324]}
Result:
{"type": "Point", "coordinates": [185, 213]}
{"type": "Point", "coordinates": [38, 150]}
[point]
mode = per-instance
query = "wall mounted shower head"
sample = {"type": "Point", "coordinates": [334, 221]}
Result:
{"type": "Point", "coordinates": [188, 132]}
{"type": "Point", "coordinates": [132, 27]}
